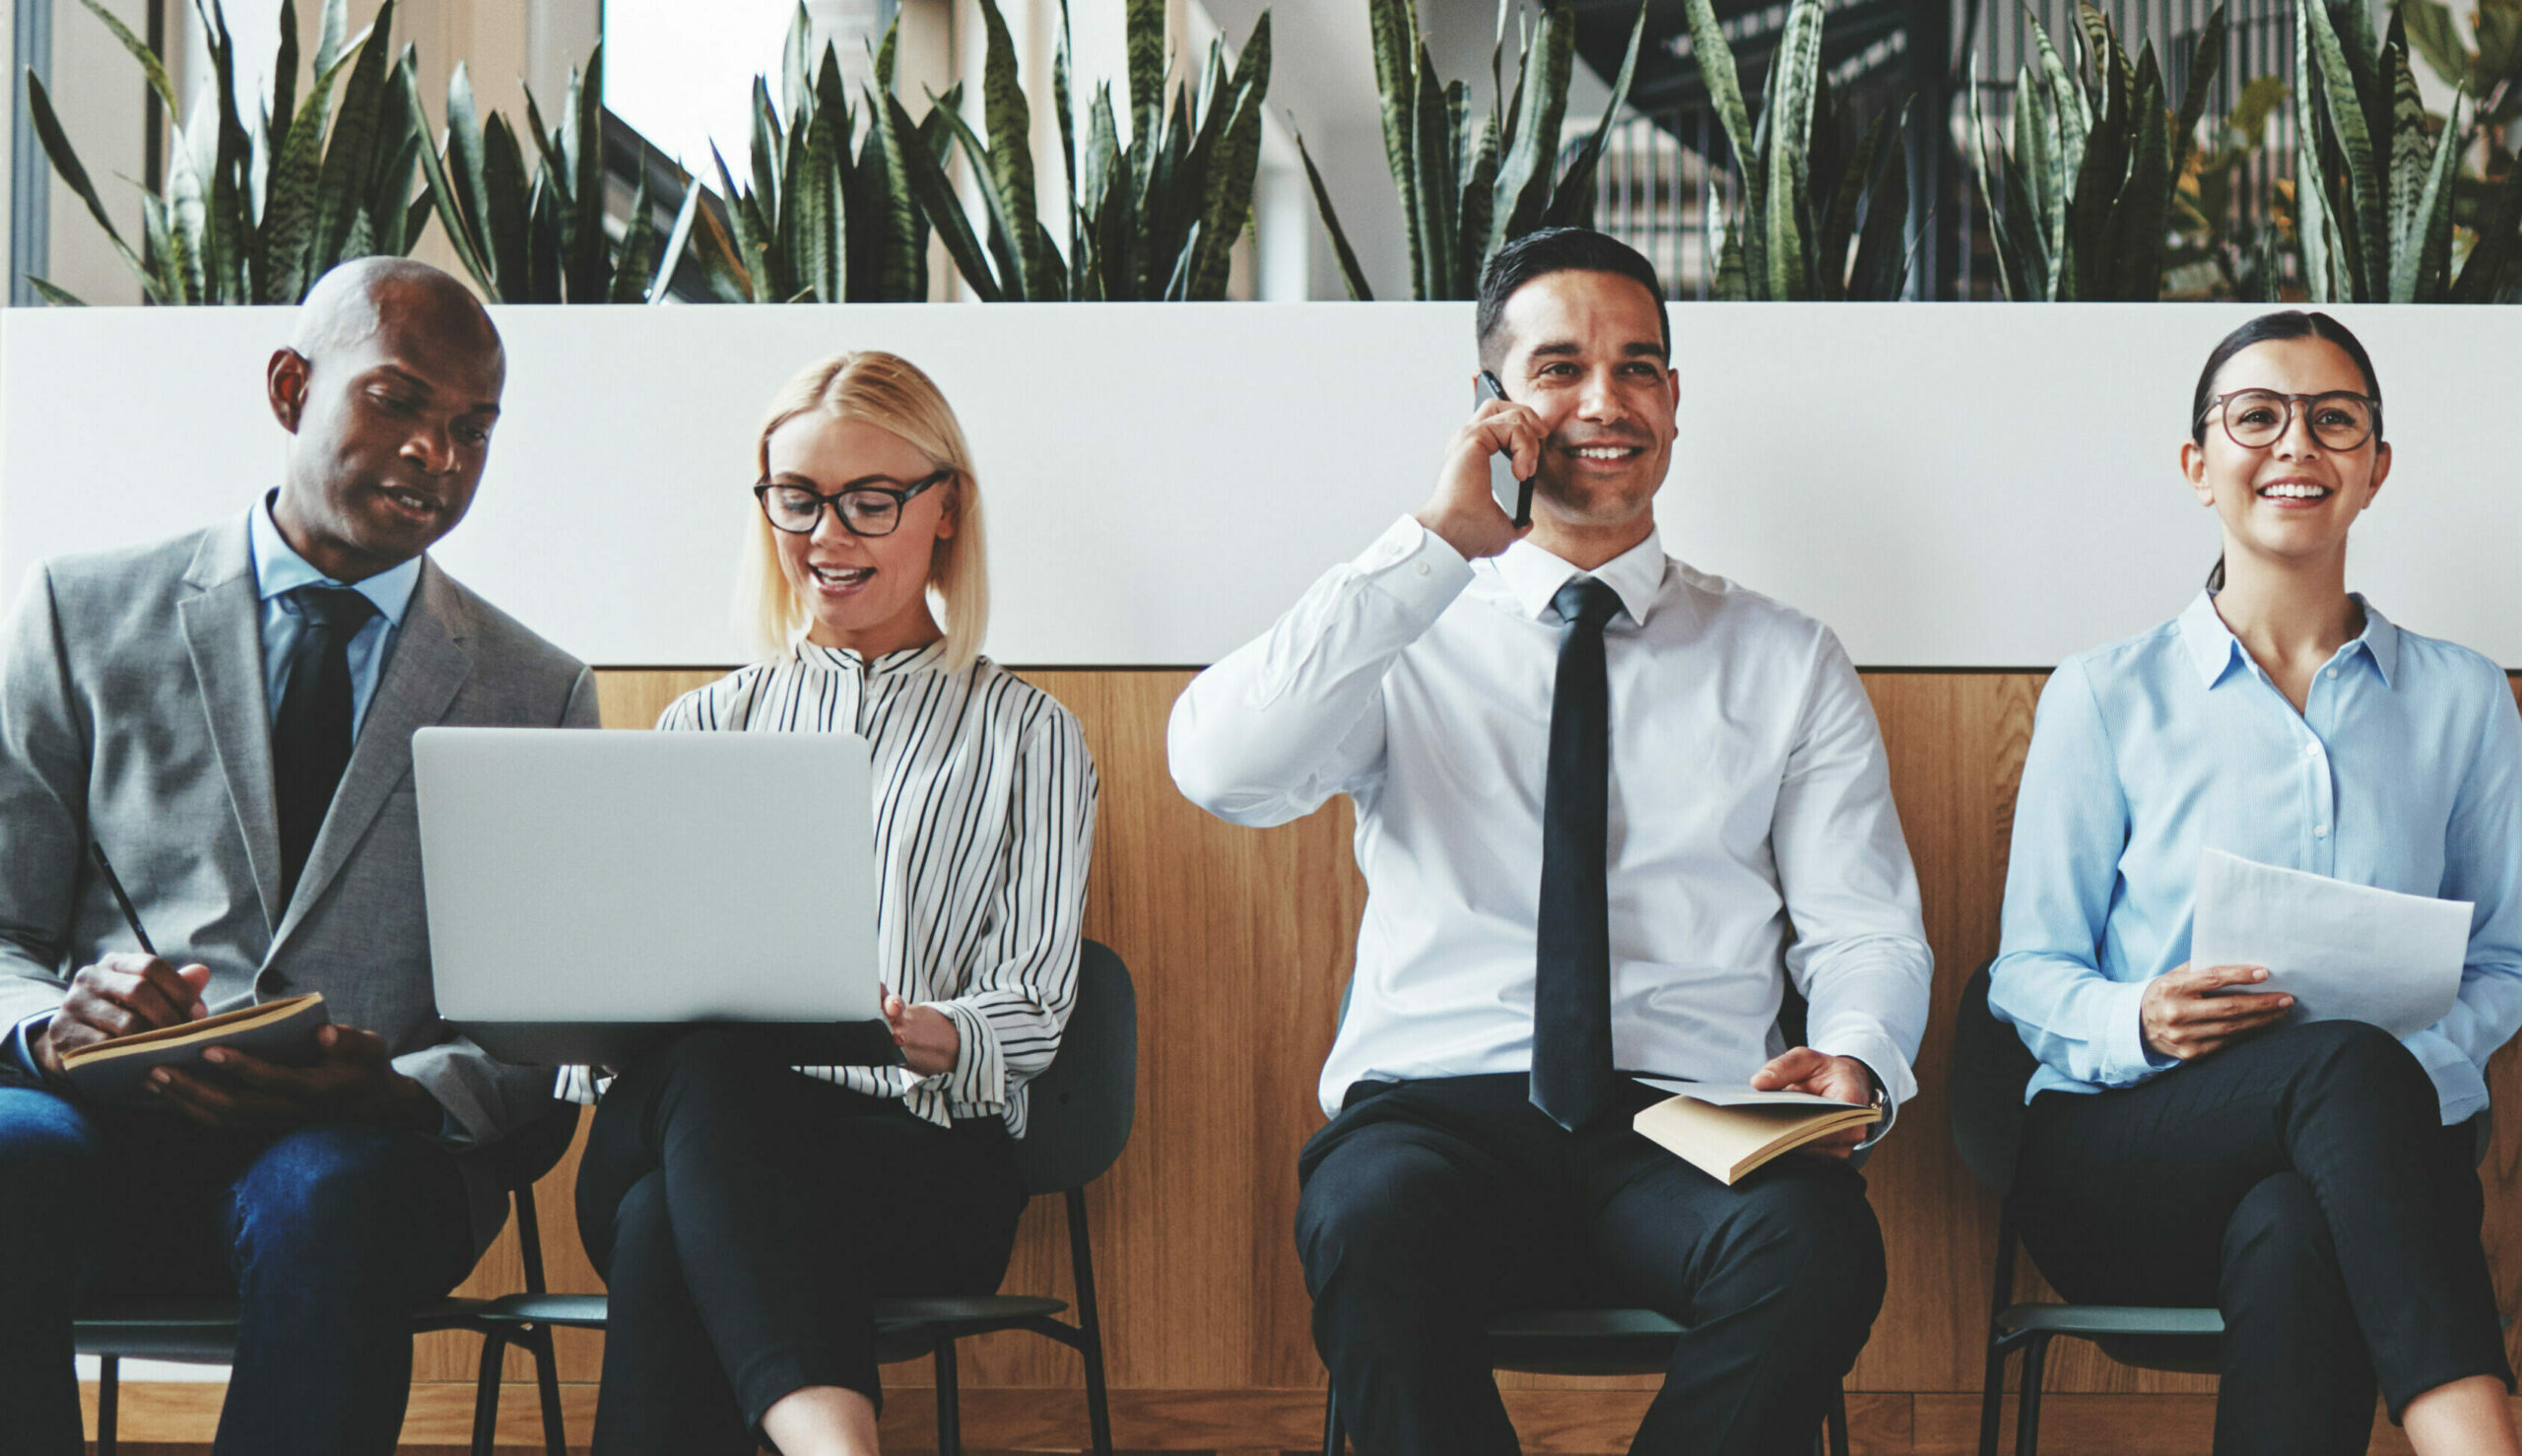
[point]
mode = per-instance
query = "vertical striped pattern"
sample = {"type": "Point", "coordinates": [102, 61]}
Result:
{"type": "Point", "coordinates": [984, 827]}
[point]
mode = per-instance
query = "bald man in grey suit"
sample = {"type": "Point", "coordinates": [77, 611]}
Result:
{"type": "Point", "coordinates": [228, 715]}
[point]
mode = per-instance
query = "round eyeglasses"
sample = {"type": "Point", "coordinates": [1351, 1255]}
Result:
{"type": "Point", "coordinates": [2255, 418]}
{"type": "Point", "coordinates": [869, 506]}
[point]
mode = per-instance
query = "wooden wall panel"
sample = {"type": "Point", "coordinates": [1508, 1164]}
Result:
{"type": "Point", "coordinates": [1240, 941]}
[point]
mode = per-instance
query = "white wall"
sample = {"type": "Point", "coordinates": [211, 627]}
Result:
{"type": "Point", "coordinates": [1948, 486]}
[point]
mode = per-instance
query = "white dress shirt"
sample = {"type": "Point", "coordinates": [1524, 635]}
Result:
{"type": "Point", "coordinates": [1752, 835]}
{"type": "Point", "coordinates": [984, 829]}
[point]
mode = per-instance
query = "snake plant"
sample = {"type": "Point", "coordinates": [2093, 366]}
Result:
{"type": "Point", "coordinates": [539, 237]}
{"type": "Point", "coordinates": [1154, 219]}
{"type": "Point", "coordinates": [1802, 209]}
{"type": "Point", "coordinates": [2375, 184]}
{"type": "Point", "coordinates": [2081, 208]}
{"type": "Point", "coordinates": [1468, 181]}
{"type": "Point", "coordinates": [254, 212]}
{"type": "Point", "coordinates": [824, 211]}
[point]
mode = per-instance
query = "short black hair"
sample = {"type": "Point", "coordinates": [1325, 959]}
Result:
{"type": "Point", "coordinates": [1559, 250]}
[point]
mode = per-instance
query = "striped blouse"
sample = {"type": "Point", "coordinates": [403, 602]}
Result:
{"type": "Point", "coordinates": [984, 825]}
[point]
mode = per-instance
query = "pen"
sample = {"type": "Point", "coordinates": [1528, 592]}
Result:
{"type": "Point", "coordinates": [96, 852]}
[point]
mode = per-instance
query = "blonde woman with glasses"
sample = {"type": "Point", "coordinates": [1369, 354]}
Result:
{"type": "Point", "coordinates": [745, 1213]}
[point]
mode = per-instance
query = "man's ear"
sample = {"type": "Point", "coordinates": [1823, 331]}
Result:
{"type": "Point", "coordinates": [285, 388]}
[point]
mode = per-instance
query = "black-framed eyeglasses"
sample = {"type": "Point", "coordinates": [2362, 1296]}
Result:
{"type": "Point", "coordinates": [2340, 419]}
{"type": "Point", "coordinates": [864, 508]}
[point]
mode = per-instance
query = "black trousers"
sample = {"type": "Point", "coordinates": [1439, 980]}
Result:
{"type": "Point", "coordinates": [2302, 1182]}
{"type": "Point", "coordinates": [744, 1214]}
{"type": "Point", "coordinates": [1428, 1207]}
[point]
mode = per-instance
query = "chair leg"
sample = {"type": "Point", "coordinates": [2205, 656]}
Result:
{"type": "Point", "coordinates": [1089, 1323]}
{"type": "Point", "coordinates": [950, 1415]}
{"type": "Point", "coordinates": [108, 1391]}
{"type": "Point", "coordinates": [1992, 1396]}
{"type": "Point", "coordinates": [1837, 1421]}
{"type": "Point", "coordinates": [2026, 1430]}
{"type": "Point", "coordinates": [485, 1393]}
{"type": "Point", "coordinates": [1335, 1441]}
{"type": "Point", "coordinates": [547, 1386]}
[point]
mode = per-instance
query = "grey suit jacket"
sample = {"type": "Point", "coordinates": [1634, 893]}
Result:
{"type": "Point", "coordinates": [133, 710]}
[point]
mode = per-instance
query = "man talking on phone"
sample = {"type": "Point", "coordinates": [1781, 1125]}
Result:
{"type": "Point", "coordinates": [1611, 811]}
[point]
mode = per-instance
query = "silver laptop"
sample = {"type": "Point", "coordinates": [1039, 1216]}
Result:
{"type": "Point", "coordinates": [592, 893]}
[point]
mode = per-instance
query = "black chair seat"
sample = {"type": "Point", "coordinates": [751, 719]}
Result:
{"type": "Point", "coordinates": [1583, 1342]}
{"type": "Point", "coordinates": [203, 1331]}
{"type": "Point", "coordinates": [928, 1316]}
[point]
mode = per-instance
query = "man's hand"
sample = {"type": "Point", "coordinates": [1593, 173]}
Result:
{"type": "Point", "coordinates": [1842, 1078]}
{"type": "Point", "coordinates": [124, 993]}
{"type": "Point", "coordinates": [352, 1079]}
{"type": "Point", "coordinates": [2183, 1017]}
{"type": "Point", "coordinates": [1463, 510]}
{"type": "Point", "coordinates": [927, 1036]}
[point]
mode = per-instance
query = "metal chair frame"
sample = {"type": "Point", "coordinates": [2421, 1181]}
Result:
{"type": "Point", "coordinates": [912, 1328]}
{"type": "Point", "coordinates": [203, 1331]}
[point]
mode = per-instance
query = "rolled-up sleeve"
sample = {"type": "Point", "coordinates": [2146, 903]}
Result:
{"type": "Point", "coordinates": [2482, 863]}
{"type": "Point", "coordinates": [2070, 829]}
{"type": "Point", "coordinates": [1860, 956]}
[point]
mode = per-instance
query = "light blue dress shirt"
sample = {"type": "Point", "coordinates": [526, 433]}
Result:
{"type": "Point", "coordinates": [2402, 771]}
{"type": "Point", "coordinates": [280, 571]}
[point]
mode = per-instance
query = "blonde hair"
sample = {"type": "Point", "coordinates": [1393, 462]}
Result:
{"type": "Point", "coordinates": [889, 392]}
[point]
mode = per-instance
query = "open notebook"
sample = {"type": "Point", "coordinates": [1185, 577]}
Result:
{"type": "Point", "coordinates": [1728, 1130]}
{"type": "Point", "coordinates": [283, 1030]}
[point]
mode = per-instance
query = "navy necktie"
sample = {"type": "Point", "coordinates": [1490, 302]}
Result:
{"type": "Point", "coordinates": [312, 736]}
{"type": "Point", "coordinates": [1572, 1078]}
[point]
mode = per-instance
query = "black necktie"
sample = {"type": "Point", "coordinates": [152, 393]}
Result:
{"type": "Point", "coordinates": [312, 737]}
{"type": "Point", "coordinates": [1572, 1076]}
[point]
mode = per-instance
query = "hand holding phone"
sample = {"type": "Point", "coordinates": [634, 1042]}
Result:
{"type": "Point", "coordinates": [1515, 496]}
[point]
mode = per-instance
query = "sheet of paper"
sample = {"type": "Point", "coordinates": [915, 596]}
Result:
{"type": "Point", "coordinates": [1741, 1095]}
{"type": "Point", "coordinates": [2344, 951]}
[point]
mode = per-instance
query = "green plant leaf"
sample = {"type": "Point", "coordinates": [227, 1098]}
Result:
{"type": "Point", "coordinates": [2316, 231]}
{"type": "Point", "coordinates": [1144, 27]}
{"type": "Point", "coordinates": [823, 207]}
{"type": "Point", "coordinates": [1838, 222]}
{"type": "Point", "coordinates": [331, 27]}
{"type": "Point", "coordinates": [1233, 168]}
{"type": "Point", "coordinates": [57, 297]}
{"type": "Point", "coordinates": [284, 78]}
{"type": "Point", "coordinates": [508, 229]}
{"type": "Point", "coordinates": [937, 201]}
{"type": "Point", "coordinates": [1349, 271]}
{"type": "Point", "coordinates": [678, 237]}
{"type": "Point", "coordinates": [2499, 225]}
{"type": "Point", "coordinates": [339, 189]}
{"type": "Point", "coordinates": [590, 251]}
{"type": "Point", "coordinates": [1572, 202]}
{"type": "Point", "coordinates": [1794, 73]}
{"type": "Point", "coordinates": [1431, 160]}
{"type": "Point", "coordinates": [1010, 156]}
{"type": "Point", "coordinates": [1526, 176]}
{"type": "Point", "coordinates": [901, 266]}
{"type": "Point", "coordinates": [1392, 28]}
{"type": "Point", "coordinates": [2368, 258]}
{"type": "Point", "coordinates": [2134, 249]}
{"type": "Point", "coordinates": [1013, 278]}
{"type": "Point", "coordinates": [1881, 269]}
{"type": "Point", "coordinates": [1063, 66]}
{"type": "Point", "coordinates": [65, 161]}
{"type": "Point", "coordinates": [1477, 209]}
{"type": "Point", "coordinates": [2421, 254]}
{"type": "Point", "coordinates": [149, 64]}
{"type": "Point", "coordinates": [2204, 63]}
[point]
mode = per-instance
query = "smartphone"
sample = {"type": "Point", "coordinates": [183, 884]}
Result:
{"type": "Point", "coordinates": [1514, 496]}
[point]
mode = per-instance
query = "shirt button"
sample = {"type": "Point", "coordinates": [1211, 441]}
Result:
{"type": "Point", "coordinates": [2320, 832]}
{"type": "Point", "coordinates": [2333, 671]}
{"type": "Point", "coordinates": [1423, 569]}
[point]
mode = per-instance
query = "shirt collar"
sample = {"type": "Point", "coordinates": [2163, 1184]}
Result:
{"type": "Point", "coordinates": [1535, 577]}
{"type": "Point", "coordinates": [279, 570]}
{"type": "Point", "coordinates": [2214, 648]}
{"type": "Point", "coordinates": [814, 656]}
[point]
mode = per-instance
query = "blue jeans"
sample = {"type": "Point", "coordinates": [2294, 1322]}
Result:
{"type": "Point", "coordinates": [328, 1236]}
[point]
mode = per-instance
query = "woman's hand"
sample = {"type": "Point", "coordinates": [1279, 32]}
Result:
{"type": "Point", "coordinates": [2182, 1015]}
{"type": "Point", "coordinates": [926, 1035]}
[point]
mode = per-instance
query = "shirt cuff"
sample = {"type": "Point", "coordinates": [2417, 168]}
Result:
{"type": "Point", "coordinates": [2126, 1059]}
{"type": "Point", "coordinates": [1414, 564]}
{"type": "Point", "coordinates": [979, 1077]}
{"type": "Point", "coordinates": [22, 1041]}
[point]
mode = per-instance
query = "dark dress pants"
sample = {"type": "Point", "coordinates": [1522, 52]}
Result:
{"type": "Point", "coordinates": [1429, 1207]}
{"type": "Point", "coordinates": [327, 1236]}
{"type": "Point", "coordinates": [744, 1215]}
{"type": "Point", "coordinates": [2300, 1181]}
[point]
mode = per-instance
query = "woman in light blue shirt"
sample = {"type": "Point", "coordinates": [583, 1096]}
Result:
{"type": "Point", "coordinates": [2187, 1142]}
